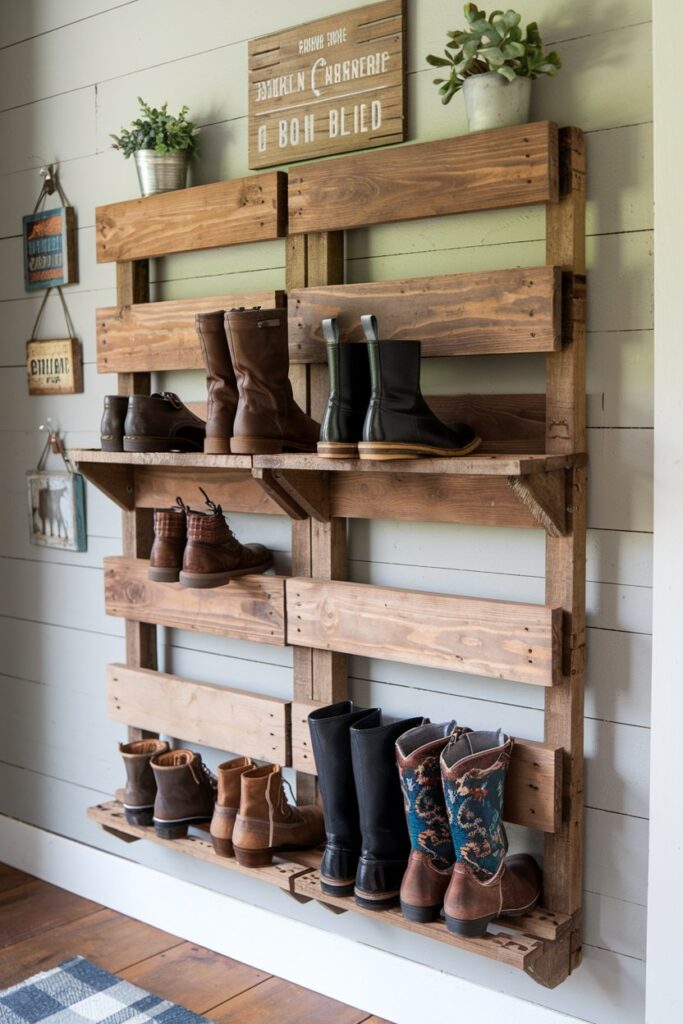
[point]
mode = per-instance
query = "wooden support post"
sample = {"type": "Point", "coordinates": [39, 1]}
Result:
{"type": "Point", "coordinates": [566, 555]}
{"type": "Point", "coordinates": [132, 286]}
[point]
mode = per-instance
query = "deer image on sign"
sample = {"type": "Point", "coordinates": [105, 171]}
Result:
{"type": "Point", "coordinates": [329, 86]}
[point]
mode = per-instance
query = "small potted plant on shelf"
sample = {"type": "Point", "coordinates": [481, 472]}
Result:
{"type": "Point", "coordinates": [162, 145]}
{"type": "Point", "coordinates": [494, 63]}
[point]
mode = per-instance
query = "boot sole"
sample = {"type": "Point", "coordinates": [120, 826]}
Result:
{"type": "Point", "coordinates": [338, 449]}
{"type": "Point", "coordinates": [217, 446]}
{"type": "Point", "coordinates": [422, 915]}
{"type": "Point", "coordinates": [139, 815]}
{"type": "Point", "coordinates": [376, 901]}
{"type": "Point", "coordinates": [206, 580]}
{"type": "Point", "coordinates": [134, 443]}
{"type": "Point", "coordinates": [267, 446]}
{"type": "Point", "coordinates": [332, 887]}
{"type": "Point", "coordinates": [160, 575]}
{"type": "Point", "coordinates": [111, 444]}
{"type": "Point", "coordinates": [470, 929]}
{"type": "Point", "coordinates": [222, 847]}
{"type": "Point", "coordinates": [380, 451]}
{"type": "Point", "coordinates": [177, 829]}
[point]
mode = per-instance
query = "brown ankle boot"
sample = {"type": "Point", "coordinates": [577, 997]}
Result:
{"type": "Point", "coordinates": [213, 555]}
{"type": "Point", "coordinates": [227, 803]}
{"type": "Point", "coordinates": [170, 534]}
{"type": "Point", "coordinates": [220, 382]}
{"type": "Point", "coordinates": [186, 792]}
{"type": "Point", "coordinates": [140, 789]}
{"type": "Point", "coordinates": [268, 420]}
{"type": "Point", "coordinates": [267, 823]}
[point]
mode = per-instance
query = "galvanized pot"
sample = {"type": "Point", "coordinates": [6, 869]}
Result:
{"type": "Point", "coordinates": [161, 172]}
{"type": "Point", "coordinates": [493, 102]}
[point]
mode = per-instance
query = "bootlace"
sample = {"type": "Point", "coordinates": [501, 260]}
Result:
{"type": "Point", "coordinates": [216, 510]}
{"type": "Point", "coordinates": [289, 810]}
{"type": "Point", "coordinates": [180, 506]}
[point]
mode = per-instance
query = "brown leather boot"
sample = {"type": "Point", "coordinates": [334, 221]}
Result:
{"type": "Point", "coordinates": [431, 855]}
{"type": "Point", "coordinates": [485, 882]}
{"type": "Point", "coordinates": [186, 792]}
{"type": "Point", "coordinates": [170, 534]}
{"type": "Point", "coordinates": [227, 803]}
{"type": "Point", "coordinates": [266, 821]}
{"type": "Point", "coordinates": [213, 555]}
{"type": "Point", "coordinates": [113, 419]}
{"type": "Point", "coordinates": [268, 420]}
{"type": "Point", "coordinates": [220, 382]}
{"type": "Point", "coordinates": [141, 788]}
{"type": "Point", "coordinates": [161, 423]}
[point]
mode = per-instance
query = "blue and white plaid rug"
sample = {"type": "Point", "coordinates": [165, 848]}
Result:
{"type": "Point", "coordinates": [78, 991]}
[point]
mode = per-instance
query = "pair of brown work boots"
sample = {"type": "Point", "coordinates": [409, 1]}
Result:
{"type": "Point", "coordinates": [199, 549]}
{"type": "Point", "coordinates": [250, 815]}
{"type": "Point", "coordinates": [251, 408]}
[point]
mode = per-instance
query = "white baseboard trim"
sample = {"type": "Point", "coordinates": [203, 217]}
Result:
{"type": "Point", "coordinates": [382, 983]}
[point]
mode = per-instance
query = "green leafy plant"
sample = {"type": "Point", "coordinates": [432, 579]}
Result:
{"type": "Point", "coordinates": [492, 43]}
{"type": "Point", "coordinates": [158, 130]}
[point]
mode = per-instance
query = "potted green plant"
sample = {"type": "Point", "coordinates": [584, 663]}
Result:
{"type": "Point", "coordinates": [162, 144]}
{"type": "Point", "coordinates": [494, 62]}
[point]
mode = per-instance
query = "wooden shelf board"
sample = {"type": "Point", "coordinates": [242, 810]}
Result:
{"type": "Point", "coordinates": [191, 460]}
{"type": "Point", "coordinates": [470, 465]}
{"type": "Point", "coordinates": [536, 934]}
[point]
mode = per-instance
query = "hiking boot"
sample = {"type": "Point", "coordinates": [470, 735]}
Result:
{"type": "Point", "coordinates": [213, 555]}
{"type": "Point", "coordinates": [141, 788]}
{"type": "Point", "coordinates": [170, 535]}
{"type": "Point", "coordinates": [229, 776]}
{"type": "Point", "coordinates": [267, 823]}
{"type": "Point", "coordinates": [186, 792]}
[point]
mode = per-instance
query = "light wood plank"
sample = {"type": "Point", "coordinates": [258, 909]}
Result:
{"type": "Point", "coordinates": [214, 716]}
{"type": "Point", "coordinates": [488, 313]}
{"type": "Point", "coordinates": [153, 336]}
{"type": "Point", "coordinates": [250, 209]}
{"type": "Point", "coordinates": [499, 639]}
{"type": "Point", "coordinates": [248, 608]}
{"type": "Point", "coordinates": [482, 171]}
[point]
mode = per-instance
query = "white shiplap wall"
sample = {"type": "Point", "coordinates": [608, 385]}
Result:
{"type": "Point", "coordinates": [69, 75]}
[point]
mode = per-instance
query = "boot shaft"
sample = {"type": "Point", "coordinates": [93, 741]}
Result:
{"type": "Point", "coordinates": [229, 775]}
{"type": "Point", "coordinates": [140, 788]}
{"type": "Point", "coordinates": [220, 375]}
{"type": "Point", "coordinates": [474, 768]}
{"type": "Point", "coordinates": [350, 387]}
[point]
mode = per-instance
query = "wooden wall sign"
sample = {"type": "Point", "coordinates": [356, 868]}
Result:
{"type": "Point", "coordinates": [50, 248]}
{"type": "Point", "coordinates": [329, 86]}
{"type": "Point", "coordinates": [54, 367]}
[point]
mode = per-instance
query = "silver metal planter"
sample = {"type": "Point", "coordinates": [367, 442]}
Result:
{"type": "Point", "coordinates": [493, 102]}
{"type": "Point", "coordinates": [161, 172]}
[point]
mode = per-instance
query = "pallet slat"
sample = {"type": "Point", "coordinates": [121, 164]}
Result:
{"type": "Point", "coordinates": [489, 313]}
{"type": "Point", "coordinates": [248, 608]}
{"type": "Point", "coordinates": [498, 639]}
{"type": "Point", "coordinates": [533, 791]}
{"type": "Point", "coordinates": [214, 716]}
{"type": "Point", "coordinates": [251, 209]}
{"type": "Point", "coordinates": [483, 171]}
{"type": "Point", "coordinates": [153, 336]}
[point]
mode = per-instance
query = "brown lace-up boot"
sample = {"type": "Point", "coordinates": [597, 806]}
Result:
{"type": "Point", "coordinates": [220, 382]}
{"type": "Point", "coordinates": [268, 420]}
{"type": "Point", "coordinates": [140, 789]}
{"type": "Point", "coordinates": [267, 822]}
{"type": "Point", "coordinates": [186, 792]}
{"type": "Point", "coordinates": [227, 803]}
{"type": "Point", "coordinates": [213, 555]}
{"type": "Point", "coordinates": [170, 534]}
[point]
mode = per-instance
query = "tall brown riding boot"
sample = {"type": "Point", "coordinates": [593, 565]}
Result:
{"type": "Point", "coordinates": [266, 821]}
{"type": "Point", "coordinates": [140, 789]}
{"type": "Point", "coordinates": [485, 882]}
{"type": "Point", "coordinates": [268, 419]}
{"type": "Point", "coordinates": [220, 382]}
{"type": "Point", "coordinates": [170, 535]}
{"type": "Point", "coordinates": [186, 792]}
{"type": "Point", "coordinates": [213, 555]}
{"type": "Point", "coordinates": [229, 776]}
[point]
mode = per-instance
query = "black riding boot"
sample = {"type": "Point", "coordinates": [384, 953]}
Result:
{"type": "Point", "coordinates": [342, 426]}
{"type": "Point", "coordinates": [386, 844]}
{"type": "Point", "coordinates": [399, 424]}
{"type": "Point", "coordinates": [331, 740]}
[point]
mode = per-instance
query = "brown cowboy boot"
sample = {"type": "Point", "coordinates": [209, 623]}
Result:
{"type": "Point", "coordinates": [485, 882]}
{"type": "Point", "coordinates": [213, 555]}
{"type": "Point", "coordinates": [268, 420]}
{"type": "Point", "coordinates": [220, 382]}
{"type": "Point", "coordinates": [227, 803]}
{"type": "Point", "coordinates": [266, 821]}
{"type": "Point", "coordinates": [140, 789]}
{"type": "Point", "coordinates": [186, 792]}
{"type": "Point", "coordinates": [170, 535]}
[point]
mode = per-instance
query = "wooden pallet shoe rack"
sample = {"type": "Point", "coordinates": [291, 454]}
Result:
{"type": "Point", "coordinates": [531, 472]}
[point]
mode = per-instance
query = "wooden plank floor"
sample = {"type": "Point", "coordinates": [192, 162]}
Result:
{"type": "Point", "coordinates": [41, 925]}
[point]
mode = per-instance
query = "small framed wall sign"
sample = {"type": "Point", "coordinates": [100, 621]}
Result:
{"type": "Point", "coordinates": [50, 248]}
{"type": "Point", "coordinates": [54, 367]}
{"type": "Point", "coordinates": [56, 510]}
{"type": "Point", "coordinates": [329, 86]}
